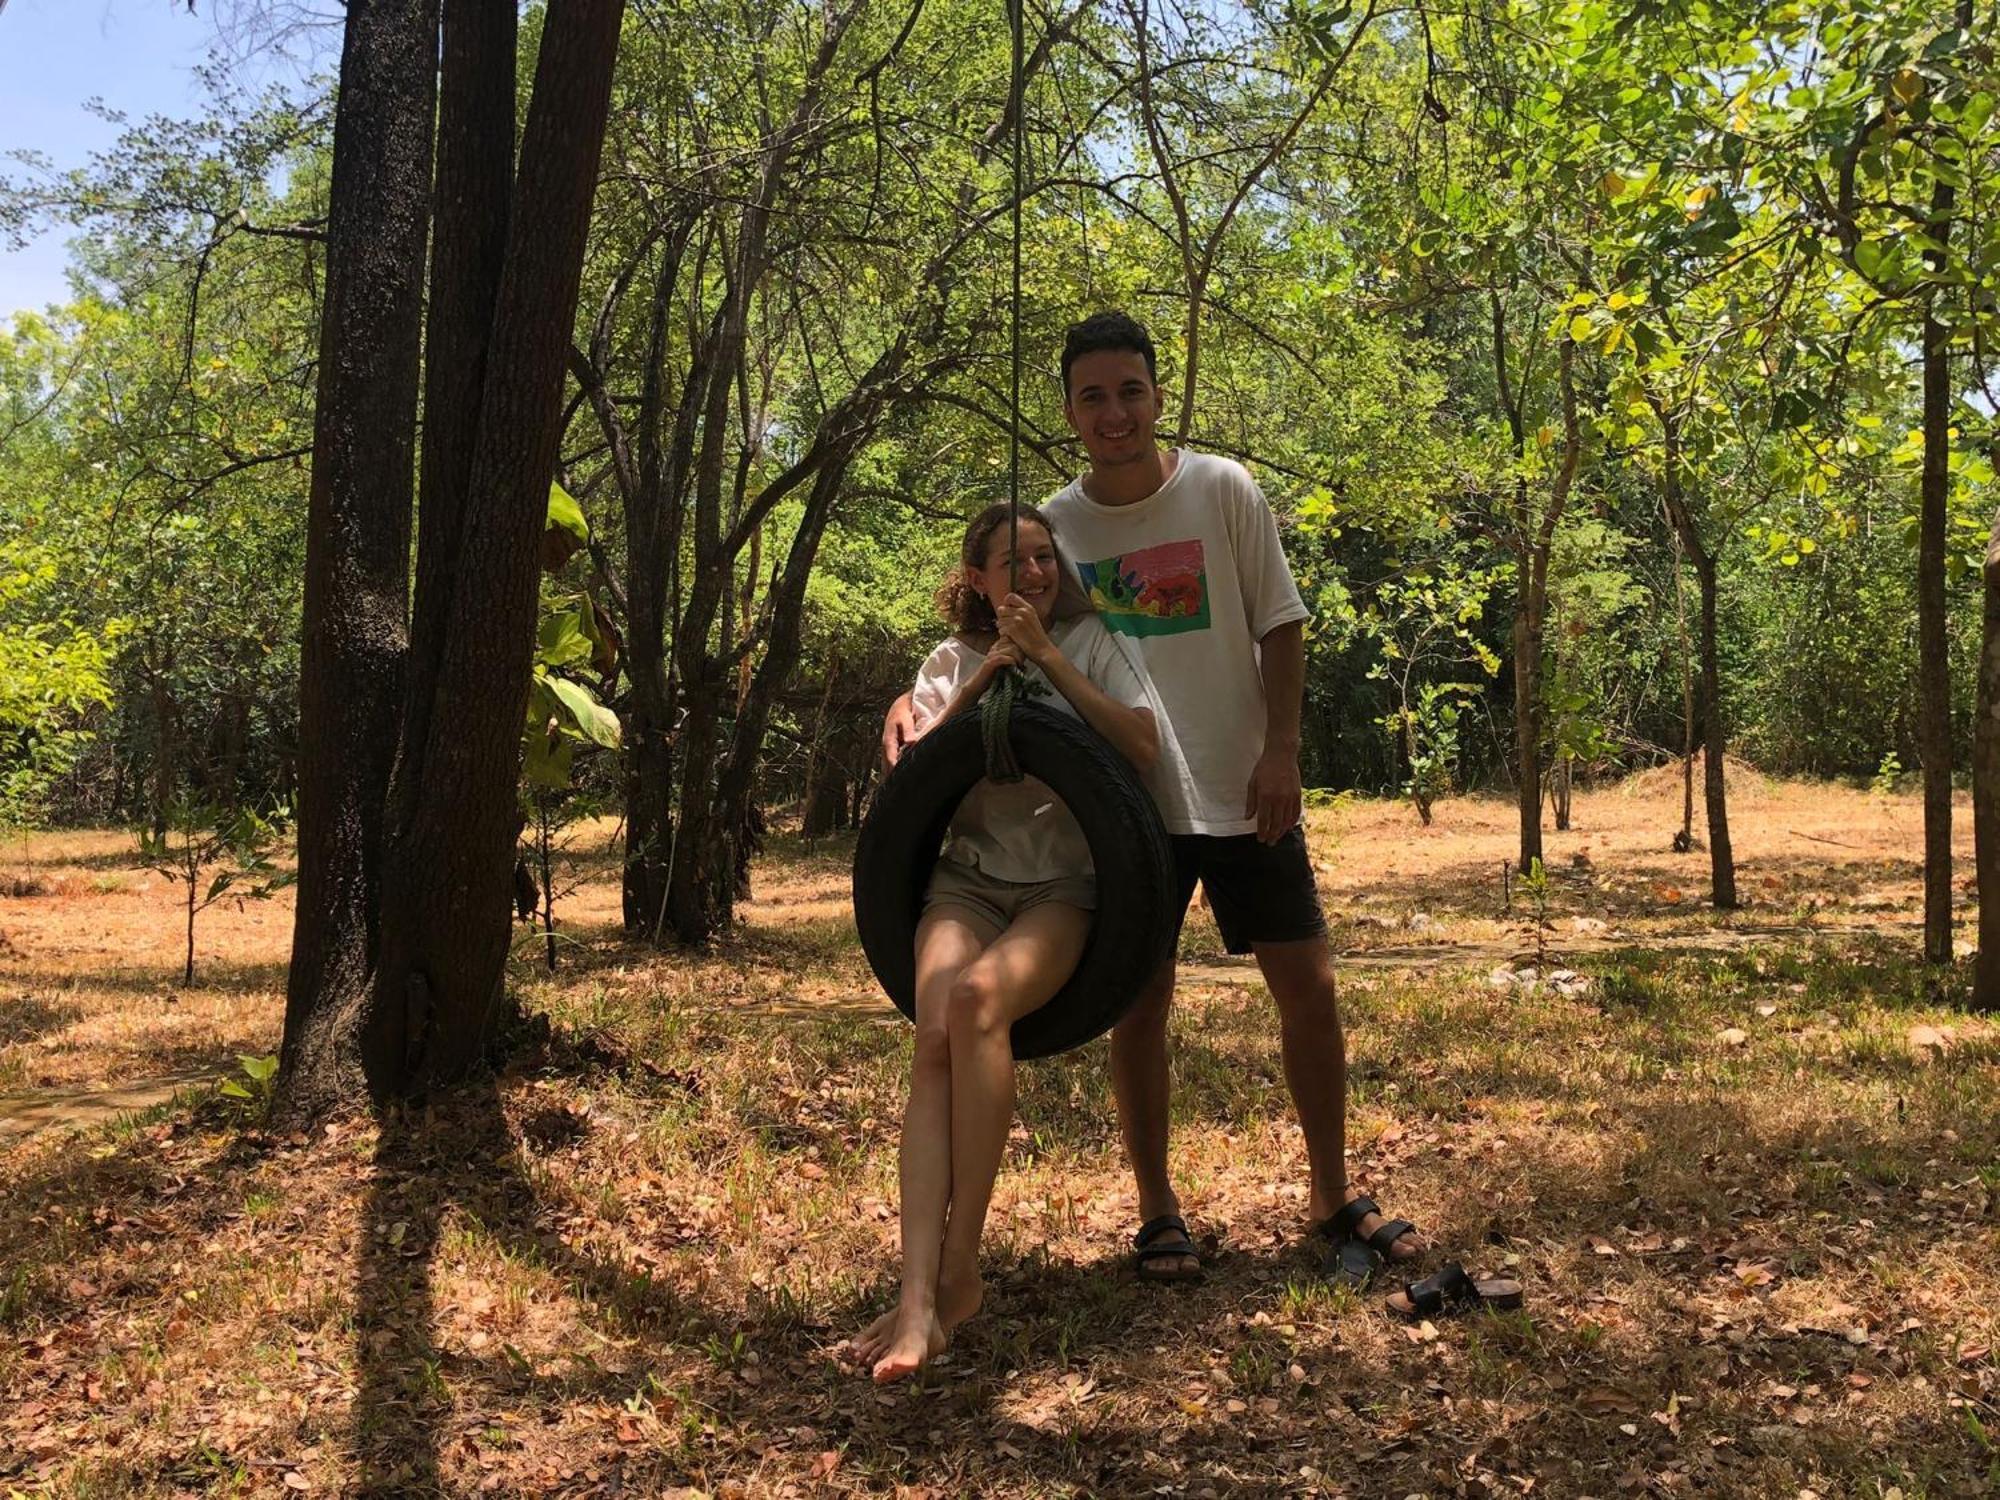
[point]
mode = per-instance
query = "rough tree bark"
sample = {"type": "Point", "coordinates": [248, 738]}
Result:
{"type": "Point", "coordinates": [1986, 786]}
{"type": "Point", "coordinates": [471, 202]}
{"type": "Point", "coordinates": [358, 531]}
{"type": "Point", "coordinates": [407, 835]}
{"type": "Point", "coordinates": [445, 933]}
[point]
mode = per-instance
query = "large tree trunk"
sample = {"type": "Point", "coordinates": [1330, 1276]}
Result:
{"type": "Point", "coordinates": [445, 935]}
{"type": "Point", "coordinates": [1986, 786]}
{"type": "Point", "coordinates": [358, 531]}
{"type": "Point", "coordinates": [1721, 859]}
{"type": "Point", "coordinates": [474, 191]}
{"type": "Point", "coordinates": [1933, 665]}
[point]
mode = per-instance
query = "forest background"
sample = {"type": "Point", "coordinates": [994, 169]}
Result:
{"type": "Point", "coordinates": [1619, 375]}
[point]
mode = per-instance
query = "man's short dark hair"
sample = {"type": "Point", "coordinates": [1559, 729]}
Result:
{"type": "Point", "coordinates": [1107, 330]}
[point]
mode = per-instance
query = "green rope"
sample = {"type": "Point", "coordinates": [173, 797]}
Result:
{"type": "Point", "coordinates": [996, 709]}
{"type": "Point", "coordinates": [1017, 23]}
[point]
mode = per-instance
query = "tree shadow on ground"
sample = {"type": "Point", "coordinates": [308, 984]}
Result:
{"type": "Point", "coordinates": [458, 1160]}
{"type": "Point", "coordinates": [28, 1018]}
{"type": "Point", "coordinates": [1077, 1377]}
{"type": "Point", "coordinates": [214, 976]}
{"type": "Point", "coordinates": [1372, 1417]}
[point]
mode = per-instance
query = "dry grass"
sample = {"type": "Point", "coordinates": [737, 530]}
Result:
{"type": "Point", "coordinates": [1754, 1207]}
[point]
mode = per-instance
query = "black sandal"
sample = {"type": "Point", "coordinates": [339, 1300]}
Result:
{"type": "Point", "coordinates": [1149, 1252]}
{"type": "Point", "coordinates": [1352, 1262]}
{"type": "Point", "coordinates": [1451, 1290]}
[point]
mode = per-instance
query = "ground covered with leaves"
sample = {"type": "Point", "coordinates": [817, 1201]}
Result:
{"type": "Point", "coordinates": [1751, 1194]}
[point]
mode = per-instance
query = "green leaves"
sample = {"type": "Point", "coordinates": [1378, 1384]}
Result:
{"type": "Point", "coordinates": [589, 717]}
{"type": "Point", "coordinates": [567, 529]}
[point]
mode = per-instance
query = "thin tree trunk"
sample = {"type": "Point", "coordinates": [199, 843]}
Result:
{"type": "Point", "coordinates": [1933, 664]}
{"type": "Point", "coordinates": [1528, 719]}
{"type": "Point", "coordinates": [445, 937]}
{"type": "Point", "coordinates": [746, 609]}
{"type": "Point", "coordinates": [545, 855]}
{"type": "Point", "coordinates": [1721, 859]}
{"type": "Point", "coordinates": [358, 533]}
{"type": "Point", "coordinates": [1686, 840]}
{"type": "Point", "coordinates": [810, 818]}
{"type": "Point", "coordinates": [1419, 796]}
{"type": "Point", "coordinates": [1986, 786]}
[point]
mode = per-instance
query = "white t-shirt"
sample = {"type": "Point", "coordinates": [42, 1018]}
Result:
{"type": "Point", "coordinates": [1195, 575]}
{"type": "Point", "coordinates": [1022, 831]}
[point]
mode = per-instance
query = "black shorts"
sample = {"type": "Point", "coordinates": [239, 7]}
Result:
{"type": "Point", "coordinates": [1259, 893]}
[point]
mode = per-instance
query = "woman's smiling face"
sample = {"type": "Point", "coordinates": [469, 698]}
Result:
{"type": "Point", "coordinates": [1037, 573]}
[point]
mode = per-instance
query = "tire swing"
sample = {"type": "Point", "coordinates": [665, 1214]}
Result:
{"type": "Point", "coordinates": [1133, 928]}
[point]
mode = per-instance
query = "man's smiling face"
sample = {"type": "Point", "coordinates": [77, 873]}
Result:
{"type": "Point", "coordinates": [1113, 405]}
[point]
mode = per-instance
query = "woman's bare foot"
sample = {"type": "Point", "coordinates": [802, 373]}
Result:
{"type": "Point", "coordinates": [869, 1344]}
{"type": "Point", "coordinates": [914, 1343]}
{"type": "Point", "coordinates": [958, 1298]}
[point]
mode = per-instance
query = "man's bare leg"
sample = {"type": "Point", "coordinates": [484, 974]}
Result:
{"type": "Point", "coordinates": [1141, 1080]}
{"type": "Point", "coordinates": [1300, 978]}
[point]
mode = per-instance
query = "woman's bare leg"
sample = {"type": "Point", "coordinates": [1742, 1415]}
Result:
{"type": "Point", "coordinates": [1016, 974]}
{"type": "Point", "coordinates": [948, 939]}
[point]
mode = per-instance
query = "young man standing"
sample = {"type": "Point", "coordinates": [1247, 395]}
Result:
{"type": "Point", "coordinates": [1180, 552]}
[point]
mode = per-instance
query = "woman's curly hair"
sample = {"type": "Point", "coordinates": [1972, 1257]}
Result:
{"type": "Point", "coordinates": [970, 612]}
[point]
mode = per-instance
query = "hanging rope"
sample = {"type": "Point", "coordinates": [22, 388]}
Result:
{"type": "Point", "coordinates": [997, 708]}
{"type": "Point", "coordinates": [1016, 88]}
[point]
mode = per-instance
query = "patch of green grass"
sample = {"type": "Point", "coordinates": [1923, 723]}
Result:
{"type": "Point", "coordinates": [261, 1202]}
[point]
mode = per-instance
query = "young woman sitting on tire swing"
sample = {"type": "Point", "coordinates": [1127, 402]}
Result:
{"type": "Point", "coordinates": [1006, 914]}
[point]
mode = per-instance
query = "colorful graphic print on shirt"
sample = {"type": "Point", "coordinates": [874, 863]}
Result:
{"type": "Point", "coordinates": [1160, 590]}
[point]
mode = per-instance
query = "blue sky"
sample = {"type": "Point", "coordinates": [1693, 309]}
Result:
{"type": "Point", "coordinates": [138, 56]}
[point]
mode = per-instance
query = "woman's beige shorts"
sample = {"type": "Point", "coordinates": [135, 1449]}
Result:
{"type": "Point", "coordinates": [1001, 901]}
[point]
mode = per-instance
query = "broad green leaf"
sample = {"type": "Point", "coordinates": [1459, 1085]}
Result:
{"type": "Point", "coordinates": [566, 514]}
{"type": "Point", "coordinates": [566, 531]}
{"type": "Point", "coordinates": [546, 760]}
{"type": "Point", "coordinates": [597, 722]}
{"type": "Point", "coordinates": [560, 640]}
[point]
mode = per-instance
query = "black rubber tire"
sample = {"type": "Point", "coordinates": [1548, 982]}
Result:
{"type": "Point", "coordinates": [904, 832]}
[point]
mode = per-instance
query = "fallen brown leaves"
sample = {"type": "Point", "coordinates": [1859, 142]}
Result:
{"type": "Point", "coordinates": [1753, 1266]}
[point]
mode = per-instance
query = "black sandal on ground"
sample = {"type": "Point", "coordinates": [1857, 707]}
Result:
{"type": "Point", "coordinates": [1451, 1290]}
{"type": "Point", "coordinates": [1150, 1252]}
{"type": "Point", "coordinates": [1353, 1262]}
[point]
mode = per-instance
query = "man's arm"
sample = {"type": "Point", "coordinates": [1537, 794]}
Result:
{"type": "Point", "coordinates": [1275, 797]}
